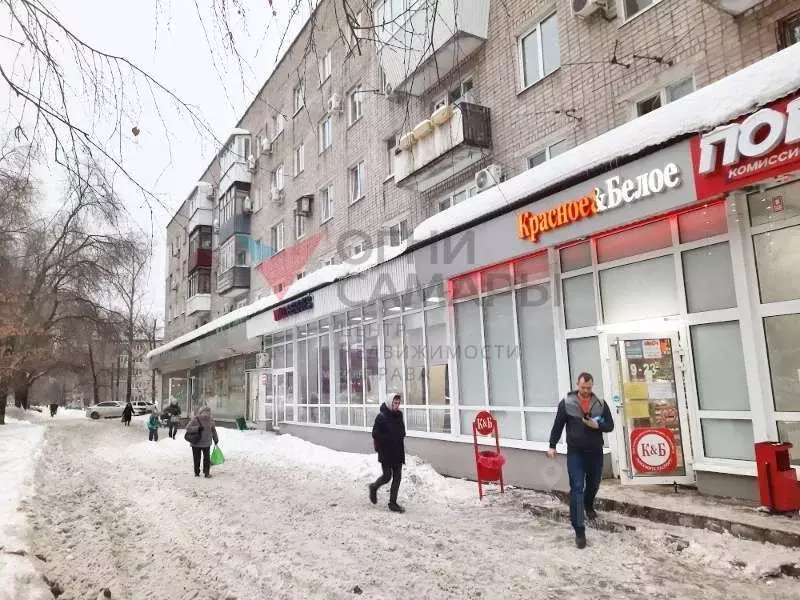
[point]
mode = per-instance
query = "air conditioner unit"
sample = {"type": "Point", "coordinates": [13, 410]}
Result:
{"type": "Point", "coordinates": [247, 205]}
{"type": "Point", "coordinates": [334, 103]}
{"type": "Point", "coordinates": [266, 146]}
{"type": "Point", "coordinates": [277, 195]}
{"type": "Point", "coordinates": [488, 177]}
{"type": "Point", "coordinates": [251, 163]}
{"type": "Point", "coordinates": [585, 8]}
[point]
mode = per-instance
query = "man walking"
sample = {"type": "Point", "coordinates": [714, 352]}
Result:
{"type": "Point", "coordinates": [388, 434]}
{"type": "Point", "coordinates": [586, 418]}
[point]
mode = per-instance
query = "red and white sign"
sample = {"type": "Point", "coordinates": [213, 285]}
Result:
{"type": "Point", "coordinates": [763, 145]}
{"type": "Point", "coordinates": [484, 423]}
{"type": "Point", "coordinates": [777, 204]}
{"type": "Point", "coordinates": [653, 450]}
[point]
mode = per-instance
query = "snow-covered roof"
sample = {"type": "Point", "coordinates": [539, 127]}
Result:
{"type": "Point", "coordinates": [717, 103]}
{"type": "Point", "coordinates": [325, 275]}
{"type": "Point", "coordinates": [238, 131]}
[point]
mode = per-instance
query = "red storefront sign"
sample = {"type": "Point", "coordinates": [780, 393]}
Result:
{"type": "Point", "coordinates": [653, 450]}
{"type": "Point", "coordinates": [762, 145]}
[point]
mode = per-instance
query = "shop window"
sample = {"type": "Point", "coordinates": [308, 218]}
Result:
{"type": "Point", "coordinates": [537, 346]}
{"type": "Point", "coordinates": [702, 223]}
{"type": "Point", "coordinates": [584, 356]}
{"type": "Point", "coordinates": [340, 347]}
{"type": "Point", "coordinates": [509, 423]}
{"type": "Point", "coordinates": [777, 263]}
{"type": "Point", "coordinates": [501, 351]}
{"type": "Point", "coordinates": [774, 205]}
{"type": "Point", "coordinates": [783, 352]}
{"type": "Point", "coordinates": [465, 286]}
{"type": "Point", "coordinates": [633, 241]}
{"type": "Point", "coordinates": [416, 419]}
{"type": "Point", "coordinates": [496, 278]}
{"type": "Point", "coordinates": [434, 296]}
{"type": "Point", "coordinates": [356, 367]}
{"type": "Point", "coordinates": [313, 370]}
{"type": "Point", "coordinates": [532, 268]}
{"type": "Point", "coordinates": [414, 358]}
{"type": "Point", "coordinates": [392, 306]}
{"type": "Point", "coordinates": [371, 383]}
{"type": "Point", "coordinates": [719, 366]}
{"type": "Point", "coordinates": [708, 277]}
{"type": "Point", "coordinates": [538, 425]}
{"type": "Point", "coordinates": [577, 256]}
{"type": "Point", "coordinates": [579, 307]}
{"type": "Point", "coordinates": [470, 360]}
{"type": "Point", "coordinates": [324, 372]}
{"type": "Point", "coordinates": [467, 417]}
{"type": "Point", "coordinates": [357, 417]}
{"type": "Point", "coordinates": [789, 431]}
{"type": "Point", "coordinates": [302, 373]}
{"type": "Point", "coordinates": [640, 290]}
{"type": "Point", "coordinates": [412, 301]}
{"type": "Point", "coordinates": [727, 438]}
{"type": "Point", "coordinates": [393, 355]}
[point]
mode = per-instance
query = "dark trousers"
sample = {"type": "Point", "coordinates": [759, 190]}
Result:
{"type": "Point", "coordinates": [153, 435]}
{"type": "Point", "coordinates": [206, 452]}
{"type": "Point", "coordinates": [393, 473]}
{"type": "Point", "coordinates": [127, 422]}
{"type": "Point", "coordinates": [585, 471]}
{"type": "Point", "coordinates": [173, 430]}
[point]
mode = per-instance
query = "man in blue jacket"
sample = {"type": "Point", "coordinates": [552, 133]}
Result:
{"type": "Point", "coordinates": [586, 418]}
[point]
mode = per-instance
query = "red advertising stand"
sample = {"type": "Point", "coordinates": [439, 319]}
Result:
{"type": "Point", "coordinates": [488, 463]}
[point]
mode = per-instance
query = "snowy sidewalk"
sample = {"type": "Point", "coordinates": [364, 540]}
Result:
{"type": "Point", "coordinates": [285, 519]}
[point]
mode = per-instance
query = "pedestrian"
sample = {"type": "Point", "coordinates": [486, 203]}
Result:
{"type": "Point", "coordinates": [53, 409]}
{"type": "Point", "coordinates": [173, 411]}
{"type": "Point", "coordinates": [127, 413]}
{"type": "Point", "coordinates": [586, 418]}
{"type": "Point", "coordinates": [388, 435]}
{"type": "Point", "coordinates": [200, 432]}
{"type": "Point", "coordinates": [152, 425]}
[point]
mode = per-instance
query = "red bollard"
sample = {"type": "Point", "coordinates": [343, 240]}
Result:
{"type": "Point", "coordinates": [777, 479]}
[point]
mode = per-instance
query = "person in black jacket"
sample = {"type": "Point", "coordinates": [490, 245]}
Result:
{"type": "Point", "coordinates": [586, 418]}
{"type": "Point", "coordinates": [388, 434]}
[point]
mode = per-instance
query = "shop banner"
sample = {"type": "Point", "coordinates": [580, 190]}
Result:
{"type": "Point", "coordinates": [762, 145]}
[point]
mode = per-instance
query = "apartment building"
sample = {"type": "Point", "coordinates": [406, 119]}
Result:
{"type": "Point", "coordinates": [361, 137]}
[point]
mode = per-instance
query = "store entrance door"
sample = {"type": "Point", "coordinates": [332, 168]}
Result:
{"type": "Point", "coordinates": [282, 395]}
{"type": "Point", "coordinates": [652, 429]}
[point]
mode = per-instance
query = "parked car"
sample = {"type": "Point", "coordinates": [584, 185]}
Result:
{"type": "Point", "coordinates": [140, 407]}
{"type": "Point", "coordinates": [105, 410]}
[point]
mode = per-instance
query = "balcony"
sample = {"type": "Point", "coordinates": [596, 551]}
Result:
{"type": "Point", "coordinates": [419, 51]}
{"type": "Point", "coordinates": [236, 173]}
{"type": "Point", "coordinates": [453, 139]}
{"type": "Point", "coordinates": [199, 303]}
{"type": "Point", "coordinates": [239, 223]}
{"type": "Point", "coordinates": [201, 206]}
{"type": "Point", "coordinates": [202, 217]}
{"type": "Point", "coordinates": [199, 259]}
{"type": "Point", "coordinates": [233, 281]}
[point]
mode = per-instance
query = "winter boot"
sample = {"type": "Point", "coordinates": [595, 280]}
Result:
{"type": "Point", "coordinates": [580, 541]}
{"type": "Point", "coordinates": [373, 493]}
{"type": "Point", "coordinates": [591, 513]}
{"type": "Point", "coordinates": [395, 507]}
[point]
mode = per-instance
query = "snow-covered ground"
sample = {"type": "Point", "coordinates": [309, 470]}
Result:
{"type": "Point", "coordinates": [283, 518]}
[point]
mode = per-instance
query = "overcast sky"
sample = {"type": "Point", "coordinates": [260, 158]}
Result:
{"type": "Point", "coordinates": [169, 39]}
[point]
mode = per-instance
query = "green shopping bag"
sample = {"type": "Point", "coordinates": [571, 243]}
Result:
{"type": "Point", "coordinates": [217, 458]}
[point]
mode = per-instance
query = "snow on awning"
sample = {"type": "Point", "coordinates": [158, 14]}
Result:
{"type": "Point", "coordinates": [717, 103]}
{"type": "Point", "coordinates": [238, 131]}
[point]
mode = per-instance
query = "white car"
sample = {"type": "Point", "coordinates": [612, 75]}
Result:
{"type": "Point", "coordinates": [141, 407]}
{"type": "Point", "coordinates": [105, 410]}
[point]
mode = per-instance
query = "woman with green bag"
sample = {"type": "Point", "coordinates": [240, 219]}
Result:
{"type": "Point", "coordinates": [200, 432]}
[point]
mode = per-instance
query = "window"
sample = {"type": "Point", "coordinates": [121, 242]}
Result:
{"type": "Point", "coordinates": [277, 237]}
{"type": "Point", "coordinates": [383, 83]}
{"type": "Point", "coordinates": [634, 7]}
{"type": "Point", "coordinates": [356, 249]}
{"type": "Point", "coordinates": [789, 30]}
{"type": "Point", "coordinates": [391, 144]}
{"type": "Point", "coordinates": [199, 283]}
{"type": "Point", "coordinates": [299, 159]}
{"type": "Point", "coordinates": [277, 124]}
{"type": "Point", "coordinates": [258, 201]}
{"type": "Point", "coordinates": [299, 98]}
{"type": "Point", "coordinates": [665, 96]}
{"type": "Point", "coordinates": [357, 176]}
{"type": "Point", "coordinates": [354, 103]}
{"type": "Point", "coordinates": [241, 303]}
{"type": "Point", "coordinates": [326, 200]}
{"type": "Point", "coordinates": [398, 233]}
{"type": "Point", "coordinates": [277, 178]}
{"type": "Point", "coordinates": [325, 66]}
{"type": "Point", "coordinates": [457, 197]}
{"type": "Point", "coordinates": [547, 153]}
{"type": "Point", "coordinates": [326, 262]}
{"type": "Point", "coordinates": [390, 15]}
{"type": "Point", "coordinates": [539, 51]}
{"type": "Point", "coordinates": [299, 226]}
{"type": "Point", "coordinates": [355, 31]}
{"type": "Point", "coordinates": [227, 255]}
{"type": "Point", "coordinates": [461, 93]}
{"type": "Point", "coordinates": [325, 134]}
{"type": "Point", "coordinates": [241, 257]}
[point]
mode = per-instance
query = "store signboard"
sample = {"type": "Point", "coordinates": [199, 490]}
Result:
{"type": "Point", "coordinates": [762, 145]}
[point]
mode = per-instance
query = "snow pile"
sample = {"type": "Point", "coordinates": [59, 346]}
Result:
{"type": "Point", "coordinates": [718, 103]}
{"type": "Point", "coordinates": [19, 577]}
{"type": "Point", "coordinates": [18, 415]}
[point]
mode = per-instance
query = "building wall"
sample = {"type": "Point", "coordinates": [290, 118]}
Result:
{"type": "Point", "coordinates": [589, 94]}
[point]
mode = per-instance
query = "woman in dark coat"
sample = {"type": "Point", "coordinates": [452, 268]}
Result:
{"type": "Point", "coordinates": [127, 413]}
{"type": "Point", "coordinates": [388, 435]}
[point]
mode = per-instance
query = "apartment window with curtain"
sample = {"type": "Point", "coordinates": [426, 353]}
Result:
{"type": "Point", "coordinates": [325, 134]}
{"type": "Point", "coordinates": [326, 203]}
{"type": "Point", "coordinates": [357, 179]}
{"type": "Point", "coordinates": [355, 105]}
{"type": "Point", "coordinates": [298, 95]}
{"type": "Point", "coordinates": [277, 178]}
{"type": "Point", "coordinates": [456, 197]}
{"type": "Point", "coordinates": [789, 30]}
{"type": "Point", "coordinates": [391, 145]}
{"type": "Point", "coordinates": [398, 233]}
{"type": "Point", "coordinates": [299, 159]}
{"type": "Point", "coordinates": [277, 237]}
{"type": "Point", "coordinates": [631, 8]}
{"type": "Point", "coordinates": [278, 122]}
{"type": "Point", "coordinates": [548, 152]}
{"type": "Point", "coordinates": [325, 66]}
{"type": "Point", "coordinates": [539, 51]}
{"type": "Point", "coordinates": [664, 96]}
{"type": "Point", "coordinates": [299, 226]}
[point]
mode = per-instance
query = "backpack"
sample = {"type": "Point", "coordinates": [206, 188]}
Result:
{"type": "Point", "coordinates": [194, 437]}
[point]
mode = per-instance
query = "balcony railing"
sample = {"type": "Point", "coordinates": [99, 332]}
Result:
{"type": "Point", "coordinates": [238, 172]}
{"type": "Point", "coordinates": [200, 258]}
{"type": "Point", "coordinates": [198, 303]}
{"type": "Point", "coordinates": [239, 223]}
{"type": "Point", "coordinates": [419, 51]}
{"type": "Point", "coordinates": [453, 139]}
{"type": "Point", "coordinates": [233, 281]}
